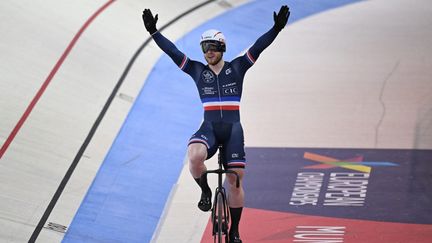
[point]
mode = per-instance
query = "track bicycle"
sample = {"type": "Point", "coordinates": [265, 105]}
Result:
{"type": "Point", "coordinates": [220, 216]}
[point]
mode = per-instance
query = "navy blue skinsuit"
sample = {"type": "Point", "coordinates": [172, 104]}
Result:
{"type": "Point", "coordinates": [220, 95]}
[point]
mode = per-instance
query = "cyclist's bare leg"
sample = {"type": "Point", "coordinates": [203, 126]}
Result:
{"type": "Point", "coordinates": [236, 202]}
{"type": "Point", "coordinates": [197, 153]}
{"type": "Point", "coordinates": [236, 195]}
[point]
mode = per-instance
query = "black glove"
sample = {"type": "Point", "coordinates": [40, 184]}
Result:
{"type": "Point", "coordinates": [281, 18]}
{"type": "Point", "coordinates": [149, 21]}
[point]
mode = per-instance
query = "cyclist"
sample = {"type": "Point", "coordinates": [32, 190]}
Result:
{"type": "Point", "coordinates": [219, 84]}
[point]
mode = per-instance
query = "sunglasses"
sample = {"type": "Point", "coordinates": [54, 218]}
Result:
{"type": "Point", "coordinates": [213, 45]}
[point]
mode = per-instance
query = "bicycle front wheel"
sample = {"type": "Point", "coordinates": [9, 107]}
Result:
{"type": "Point", "coordinates": [220, 221]}
{"type": "Point", "coordinates": [220, 210]}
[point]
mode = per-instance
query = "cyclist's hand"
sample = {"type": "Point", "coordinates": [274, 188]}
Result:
{"type": "Point", "coordinates": [149, 21]}
{"type": "Point", "coordinates": [281, 18]}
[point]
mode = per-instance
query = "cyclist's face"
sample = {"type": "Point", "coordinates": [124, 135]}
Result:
{"type": "Point", "coordinates": [213, 57]}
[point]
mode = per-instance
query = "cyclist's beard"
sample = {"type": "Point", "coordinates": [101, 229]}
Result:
{"type": "Point", "coordinates": [215, 59]}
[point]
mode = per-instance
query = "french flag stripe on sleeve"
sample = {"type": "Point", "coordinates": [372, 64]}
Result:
{"type": "Point", "coordinates": [250, 57]}
{"type": "Point", "coordinates": [183, 63]}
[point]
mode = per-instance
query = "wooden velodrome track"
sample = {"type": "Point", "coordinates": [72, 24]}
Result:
{"type": "Point", "coordinates": [343, 75]}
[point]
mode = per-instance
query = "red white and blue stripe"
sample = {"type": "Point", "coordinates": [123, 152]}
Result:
{"type": "Point", "coordinates": [250, 58]}
{"type": "Point", "coordinates": [230, 103]}
{"type": "Point", "coordinates": [198, 140]}
{"type": "Point", "coordinates": [184, 62]}
{"type": "Point", "coordinates": [236, 164]}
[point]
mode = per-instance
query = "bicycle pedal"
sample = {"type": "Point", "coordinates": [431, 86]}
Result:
{"type": "Point", "coordinates": [224, 228]}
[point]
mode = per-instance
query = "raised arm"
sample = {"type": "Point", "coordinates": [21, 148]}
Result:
{"type": "Point", "coordinates": [265, 40]}
{"type": "Point", "coordinates": [166, 45]}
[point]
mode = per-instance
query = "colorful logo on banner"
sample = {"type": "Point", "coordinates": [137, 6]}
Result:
{"type": "Point", "coordinates": [356, 163]}
{"type": "Point", "coordinates": [337, 188]}
{"type": "Point", "coordinates": [339, 195]}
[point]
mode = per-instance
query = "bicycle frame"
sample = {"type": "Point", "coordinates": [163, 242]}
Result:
{"type": "Point", "coordinates": [220, 212]}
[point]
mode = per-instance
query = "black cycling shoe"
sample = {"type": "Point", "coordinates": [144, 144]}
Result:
{"type": "Point", "coordinates": [205, 203]}
{"type": "Point", "coordinates": [234, 237]}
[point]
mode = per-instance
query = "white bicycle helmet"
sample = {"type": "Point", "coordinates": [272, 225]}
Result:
{"type": "Point", "coordinates": [213, 39]}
